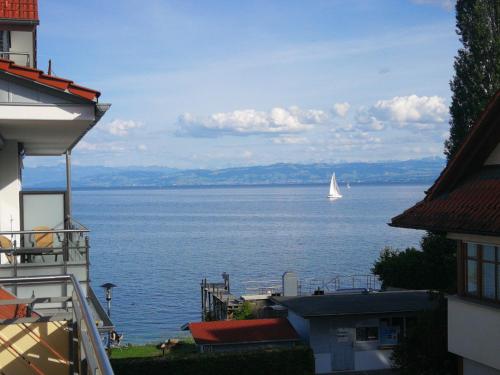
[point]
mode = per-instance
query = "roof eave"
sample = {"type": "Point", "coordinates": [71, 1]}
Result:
{"type": "Point", "coordinates": [24, 22]}
{"type": "Point", "coordinates": [100, 111]}
{"type": "Point", "coordinates": [248, 342]}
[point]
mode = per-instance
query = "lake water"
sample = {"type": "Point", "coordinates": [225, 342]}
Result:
{"type": "Point", "coordinates": [157, 245]}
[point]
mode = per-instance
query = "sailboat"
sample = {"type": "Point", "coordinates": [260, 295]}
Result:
{"type": "Point", "coordinates": [348, 185]}
{"type": "Point", "coordinates": [334, 192]}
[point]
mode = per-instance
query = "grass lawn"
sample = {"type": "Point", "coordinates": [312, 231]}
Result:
{"type": "Point", "coordinates": [150, 350]}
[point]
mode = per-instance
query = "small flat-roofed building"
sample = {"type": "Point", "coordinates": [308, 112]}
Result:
{"type": "Point", "coordinates": [464, 203]}
{"type": "Point", "coordinates": [354, 331]}
{"type": "Point", "coordinates": [241, 335]}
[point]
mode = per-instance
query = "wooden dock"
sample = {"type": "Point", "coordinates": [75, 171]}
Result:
{"type": "Point", "coordinates": [217, 302]}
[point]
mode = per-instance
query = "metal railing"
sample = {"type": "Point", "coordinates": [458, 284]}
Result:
{"type": "Point", "coordinates": [90, 358]}
{"type": "Point", "coordinates": [44, 248]}
{"type": "Point", "coordinates": [308, 286]}
{"type": "Point", "coordinates": [7, 55]}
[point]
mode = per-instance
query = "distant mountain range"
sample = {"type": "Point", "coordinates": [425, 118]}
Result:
{"type": "Point", "coordinates": [385, 172]}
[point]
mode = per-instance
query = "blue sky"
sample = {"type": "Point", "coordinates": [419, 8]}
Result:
{"type": "Point", "coordinates": [213, 84]}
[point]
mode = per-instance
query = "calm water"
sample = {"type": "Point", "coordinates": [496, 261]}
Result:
{"type": "Point", "coordinates": [158, 244]}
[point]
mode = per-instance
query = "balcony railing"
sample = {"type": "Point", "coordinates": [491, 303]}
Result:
{"type": "Point", "coordinates": [45, 248]}
{"type": "Point", "coordinates": [9, 55]}
{"type": "Point", "coordinates": [87, 356]}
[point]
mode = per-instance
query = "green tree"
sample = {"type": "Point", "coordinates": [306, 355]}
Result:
{"type": "Point", "coordinates": [245, 311]}
{"type": "Point", "coordinates": [432, 267]}
{"type": "Point", "coordinates": [424, 349]}
{"type": "Point", "coordinates": [477, 66]}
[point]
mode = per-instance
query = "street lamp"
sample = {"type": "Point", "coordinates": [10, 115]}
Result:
{"type": "Point", "coordinates": [108, 287]}
{"type": "Point", "coordinates": [108, 290]}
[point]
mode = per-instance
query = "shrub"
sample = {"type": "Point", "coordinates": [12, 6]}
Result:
{"type": "Point", "coordinates": [295, 361]}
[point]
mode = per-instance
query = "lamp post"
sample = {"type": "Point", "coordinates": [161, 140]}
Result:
{"type": "Point", "coordinates": [108, 287]}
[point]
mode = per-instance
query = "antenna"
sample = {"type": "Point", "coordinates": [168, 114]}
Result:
{"type": "Point", "coordinates": [50, 67]}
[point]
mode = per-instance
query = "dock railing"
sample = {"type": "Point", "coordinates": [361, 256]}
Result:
{"type": "Point", "coordinates": [90, 357]}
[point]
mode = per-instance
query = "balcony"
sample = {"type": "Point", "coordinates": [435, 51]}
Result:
{"type": "Point", "coordinates": [20, 58]}
{"type": "Point", "coordinates": [47, 334]}
{"type": "Point", "coordinates": [45, 251]}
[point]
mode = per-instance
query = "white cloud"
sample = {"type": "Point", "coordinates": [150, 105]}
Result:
{"type": "Point", "coordinates": [402, 110]}
{"type": "Point", "coordinates": [100, 146]}
{"type": "Point", "coordinates": [290, 140]}
{"type": "Point", "coordinates": [142, 147]}
{"type": "Point", "coordinates": [341, 109]}
{"type": "Point", "coordinates": [120, 127]}
{"type": "Point", "coordinates": [250, 121]}
{"type": "Point", "coordinates": [445, 4]}
{"type": "Point", "coordinates": [86, 146]}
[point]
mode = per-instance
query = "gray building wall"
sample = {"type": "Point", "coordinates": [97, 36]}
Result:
{"type": "Point", "coordinates": [333, 341]}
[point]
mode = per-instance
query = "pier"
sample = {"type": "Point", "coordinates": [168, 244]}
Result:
{"type": "Point", "coordinates": [217, 302]}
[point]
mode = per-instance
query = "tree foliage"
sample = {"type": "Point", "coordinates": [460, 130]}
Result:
{"type": "Point", "coordinates": [477, 66]}
{"type": "Point", "coordinates": [432, 267]}
{"type": "Point", "coordinates": [245, 311]}
{"type": "Point", "coordinates": [424, 350]}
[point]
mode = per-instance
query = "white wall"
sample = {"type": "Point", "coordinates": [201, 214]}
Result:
{"type": "Point", "coordinates": [473, 331]}
{"type": "Point", "coordinates": [494, 158]}
{"type": "Point", "coordinates": [372, 360]}
{"type": "Point", "coordinates": [10, 185]}
{"type": "Point", "coordinates": [21, 41]}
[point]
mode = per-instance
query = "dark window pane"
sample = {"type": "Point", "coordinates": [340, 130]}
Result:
{"type": "Point", "coordinates": [489, 253]}
{"type": "Point", "coordinates": [367, 333]}
{"type": "Point", "coordinates": [488, 280]}
{"type": "Point", "coordinates": [471, 250]}
{"type": "Point", "coordinates": [472, 277]}
{"type": "Point", "coordinates": [498, 281]}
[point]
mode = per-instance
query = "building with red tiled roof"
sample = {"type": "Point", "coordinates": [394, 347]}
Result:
{"type": "Point", "coordinates": [232, 335]}
{"type": "Point", "coordinates": [464, 203]}
{"type": "Point", "coordinates": [18, 23]}
{"type": "Point", "coordinates": [19, 10]}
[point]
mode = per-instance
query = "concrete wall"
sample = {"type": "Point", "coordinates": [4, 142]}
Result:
{"type": "Point", "coordinates": [372, 360]}
{"type": "Point", "coordinates": [325, 342]}
{"type": "Point", "coordinates": [35, 348]}
{"type": "Point", "coordinates": [21, 41]}
{"type": "Point", "coordinates": [473, 331]}
{"type": "Point", "coordinates": [474, 368]}
{"type": "Point", "coordinates": [10, 185]}
{"type": "Point", "coordinates": [494, 158]}
{"type": "Point", "coordinates": [300, 325]}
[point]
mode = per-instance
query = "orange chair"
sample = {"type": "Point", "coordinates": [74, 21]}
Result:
{"type": "Point", "coordinates": [43, 240]}
{"type": "Point", "coordinates": [5, 243]}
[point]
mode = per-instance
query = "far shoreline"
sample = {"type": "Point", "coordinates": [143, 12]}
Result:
{"type": "Point", "coordinates": [226, 186]}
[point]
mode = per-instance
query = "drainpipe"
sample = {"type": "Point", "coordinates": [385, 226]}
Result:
{"type": "Point", "coordinates": [68, 189]}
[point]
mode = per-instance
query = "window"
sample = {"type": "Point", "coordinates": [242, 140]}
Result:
{"type": "Point", "coordinates": [367, 334]}
{"type": "Point", "coordinates": [482, 271]}
{"type": "Point", "coordinates": [4, 41]}
{"type": "Point", "coordinates": [472, 262]}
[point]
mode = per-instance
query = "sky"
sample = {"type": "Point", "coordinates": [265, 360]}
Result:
{"type": "Point", "coordinates": [216, 84]}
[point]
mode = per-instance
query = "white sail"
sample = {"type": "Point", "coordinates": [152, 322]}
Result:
{"type": "Point", "coordinates": [334, 188]}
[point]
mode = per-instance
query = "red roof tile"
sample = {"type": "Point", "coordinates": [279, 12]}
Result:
{"type": "Point", "coordinates": [473, 207]}
{"type": "Point", "coordinates": [10, 311]}
{"type": "Point", "coordinates": [243, 331]}
{"type": "Point", "coordinates": [466, 196]}
{"type": "Point", "coordinates": [19, 10]}
{"type": "Point", "coordinates": [51, 81]}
